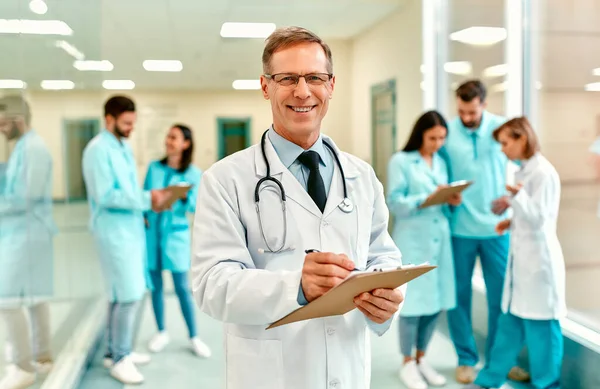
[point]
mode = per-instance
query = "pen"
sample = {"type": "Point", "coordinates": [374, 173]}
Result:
{"type": "Point", "coordinates": [317, 251]}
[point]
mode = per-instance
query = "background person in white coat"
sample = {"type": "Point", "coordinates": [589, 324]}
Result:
{"type": "Point", "coordinates": [415, 174]}
{"type": "Point", "coordinates": [250, 269]}
{"type": "Point", "coordinates": [533, 299]}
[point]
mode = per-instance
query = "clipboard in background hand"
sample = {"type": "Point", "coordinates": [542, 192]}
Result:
{"type": "Point", "coordinates": [340, 300]}
{"type": "Point", "coordinates": [178, 191]}
{"type": "Point", "coordinates": [442, 195]}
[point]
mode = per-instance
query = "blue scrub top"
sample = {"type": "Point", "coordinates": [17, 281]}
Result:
{"type": "Point", "coordinates": [168, 237]}
{"type": "Point", "coordinates": [476, 155]}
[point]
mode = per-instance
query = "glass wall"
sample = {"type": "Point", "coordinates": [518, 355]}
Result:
{"type": "Point", "coordinates": [49, 277]}
{"type": "Point", "coordinates": [565, 73]}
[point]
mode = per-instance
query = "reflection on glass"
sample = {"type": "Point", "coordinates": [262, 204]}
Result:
{"type": "Point", "coordinates": [27, 231]}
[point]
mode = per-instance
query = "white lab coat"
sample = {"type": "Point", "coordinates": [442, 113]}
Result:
{"type": "Point", "coordinates": [233, 282]}
{"type": "Point", "coordinates": [534, 287]}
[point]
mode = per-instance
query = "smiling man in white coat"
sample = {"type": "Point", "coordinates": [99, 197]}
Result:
{"type": "Point", "coordinates": [260, 209]}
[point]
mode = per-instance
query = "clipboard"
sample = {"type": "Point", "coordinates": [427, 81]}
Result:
{"type": "Point", "coordinates": [442, 195]}
{"type": "Point", "coordinates": [178, 191]}
{"type": "Point", "coordinates": [340, 300]}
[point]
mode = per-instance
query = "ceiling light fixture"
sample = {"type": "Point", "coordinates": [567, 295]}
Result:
{"type": "Point", "coordinates": [12, 84]}
{"type": "Point", "coordinates": [593, 87]}
{"type": "Point", "coordinates": [57, 84]}
{"type": "Point", "coordinates": [118, 84]}
{"type": "Point", "coordinates": [246, 84]}
{"type": "Point", "coordinates": [480, 36]}
{"type": "Point", "coordinates": [495, 71]}
{"type": "Point", "coordinates": [500, 87]}
{"type": "Point", "coordinates": [98, 66]}
{"type": "Point", "coordinates": [38, 7]}
{"type": "Point", "coordinates": [247, 30]}
{"type": "Point", "coordinates": [162, 65]}
{"type": "Point", "coordinates": [70, 49]}
{"type": "Point", "coordinates": [36, 27]}
{"type": "Point", "coordinates": [460, 68]}
{"type": "Point", "coordinates": [596, 72]}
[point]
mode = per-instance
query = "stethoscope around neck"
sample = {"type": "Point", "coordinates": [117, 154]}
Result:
{"type": "Point", "coordinates": [346, 205]}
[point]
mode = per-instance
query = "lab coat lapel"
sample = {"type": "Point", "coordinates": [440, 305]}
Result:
{"type": "Point", "coordinates": [293, 190]}
{"type": "Point", "coordinates": [336, 190]}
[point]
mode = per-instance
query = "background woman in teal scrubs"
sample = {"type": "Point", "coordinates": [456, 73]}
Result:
{"type": "Point", "coordinates": [422, 235]}
{"type": "Point", "coordinates": [168, 234]}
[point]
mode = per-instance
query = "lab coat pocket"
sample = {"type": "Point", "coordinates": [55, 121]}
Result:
{"type": "Point", "coordinates": [253, 363]}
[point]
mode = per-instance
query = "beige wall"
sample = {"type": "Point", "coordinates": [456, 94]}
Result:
{"type": "Point", "coordinates": [390, 50]}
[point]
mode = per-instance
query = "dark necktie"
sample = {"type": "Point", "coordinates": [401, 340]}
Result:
{"type": "Point", "coordinates": [315, 185]}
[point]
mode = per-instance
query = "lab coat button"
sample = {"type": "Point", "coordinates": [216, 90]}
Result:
{"type": "Point", "coordinates": [334, 384]}
{"type": "Point", "coordinates": [330, 331]}
{"type": "Point", "coordinates": [325, 223]}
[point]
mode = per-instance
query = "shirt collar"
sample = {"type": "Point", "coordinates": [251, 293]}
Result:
{"type": "Point", "coordinates": [477, 131]}
{"type": "Point", "coordinates": [288, 152]}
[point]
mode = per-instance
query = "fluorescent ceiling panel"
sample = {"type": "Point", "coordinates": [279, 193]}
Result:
{"type": "Point", "coordinates": [36, 27]}
{"type": "Point", "coordinates": [596, 72]}
{"type": "Point", "coordinates": [162, 65]}
{"type": "Point", "coordinates": [495, 71]}
{"type": "Point", "coordinates": [247, 30]}
{"type": "Point", "coordinates": [461, 68]}
{"type": "Point", "coordinates": [479, 36]}
{"type": "Point", "coordinates": [118, 84]}
{"type": "Point", "coordinates": [593, 87]}
{"type": "Point", "coordinates": [12, 84]}
{"type": "Point", "coordinates": [98, 66]}
{"type": "Point", "coordinates": [246, 84]}
{"type": "Point", "coordinates": [57, 84]}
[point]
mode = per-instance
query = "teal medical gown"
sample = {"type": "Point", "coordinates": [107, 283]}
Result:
{"type": "Point", "coordinates": [168, 233]}
{"type": "Point", "coordinates": [117, 204]}
{"type": "Point", "coordinates": [27, 227]}
{"type": "Point", "coordinates": [422, 234]}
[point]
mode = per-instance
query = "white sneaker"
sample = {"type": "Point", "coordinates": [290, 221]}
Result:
{"type": "Point", "coordinates": [411, 377]}
{"type": "Point", "coordinates": [126, 372]}
{"type": "Point", "coordinates": [136, 358]}
{"type": "Point", "coordinates": [200, 348]}
{"type": "Point", "coordinates": [158, 342]}
{"type": "Point", "coordinates": [431, 376]}
{"type": "Point", "coordinates": [17, 378]}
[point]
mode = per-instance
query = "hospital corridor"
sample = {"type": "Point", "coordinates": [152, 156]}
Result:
{"type": "Point", "coordinates": [341, 194]}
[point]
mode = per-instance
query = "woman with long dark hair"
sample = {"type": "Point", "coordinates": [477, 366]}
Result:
{"type": "Point", "coordinates": [422, 234]}
{"type": "Point", "coordinates": [168, 234]}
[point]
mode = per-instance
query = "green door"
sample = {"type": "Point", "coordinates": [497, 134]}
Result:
{"type": "Point", "coordinates": [77, 134]}
{"type": "Point", "coordinates": [233, 135]}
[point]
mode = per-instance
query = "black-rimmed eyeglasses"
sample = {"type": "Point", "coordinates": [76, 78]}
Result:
{"type": "Point", "coordinates": [289, 79]}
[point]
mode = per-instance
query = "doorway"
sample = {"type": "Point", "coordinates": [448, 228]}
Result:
{"type": "Point", "coordinates": [77, 133]}
{"type": "Point", "coordinates": [233, 135]}
{"type": "Point", "coordinates": [383, 127]}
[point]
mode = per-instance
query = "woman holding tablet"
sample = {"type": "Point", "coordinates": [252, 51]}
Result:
{"type": "Point", "coordinates": [423, 234]}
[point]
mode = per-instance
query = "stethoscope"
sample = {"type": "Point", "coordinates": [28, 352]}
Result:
{"type": "Point", "coordinates": [346, 205]}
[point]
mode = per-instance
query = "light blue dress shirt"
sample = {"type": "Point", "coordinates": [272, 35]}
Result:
{"type": "Point", "coordinates": [475, 155]}
{"type": "Point", "coordinates": [289, 152]}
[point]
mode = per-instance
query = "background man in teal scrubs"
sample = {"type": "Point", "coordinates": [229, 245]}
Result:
{"type": "Point", "coordinates": [473, 154]}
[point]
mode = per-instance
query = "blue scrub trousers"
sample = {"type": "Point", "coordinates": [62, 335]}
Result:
{"type": "Point", "coordinates": [544, 342]}
{"type": "Point", "coordinates": [182, 289]}
{"type": "Point", "coordinates": [493, 254]}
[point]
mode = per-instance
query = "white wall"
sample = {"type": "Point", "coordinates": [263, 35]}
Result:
{"type": "Point", "coordinates": [158, 110]}
{"type": "Point", "coordinates": [391, 49]}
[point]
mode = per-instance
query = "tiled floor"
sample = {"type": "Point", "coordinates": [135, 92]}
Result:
{"type": "Point", "coordinates": [77, 278]}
